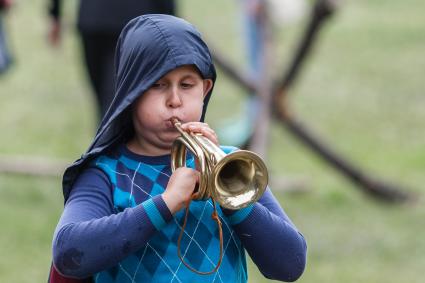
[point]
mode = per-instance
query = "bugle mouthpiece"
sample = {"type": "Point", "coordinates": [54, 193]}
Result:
{"type": "Point", "coordinates": [177, 124]}
{"type": "Point", "coordinates": [175, 121]}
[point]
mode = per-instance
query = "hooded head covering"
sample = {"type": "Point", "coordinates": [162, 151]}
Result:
{"type": "Point", "coordinates": [149, 47]}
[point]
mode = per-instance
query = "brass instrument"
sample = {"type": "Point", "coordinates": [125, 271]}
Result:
{"type": "Point", "coordinates": [234, 180]}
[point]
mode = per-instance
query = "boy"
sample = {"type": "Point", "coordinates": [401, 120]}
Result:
{"type": "Point", "coordinates": [123, 207]}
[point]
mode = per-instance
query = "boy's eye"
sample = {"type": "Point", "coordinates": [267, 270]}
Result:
{"type": "Point", "coordinates": [186, 85]}
{"type": "Point", "coordinates": [157, 85]}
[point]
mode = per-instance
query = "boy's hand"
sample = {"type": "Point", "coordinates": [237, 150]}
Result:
{"type": "Point", "coordinates": [180, 188]}
{"type": "Point", "coordinates": [202, 128]}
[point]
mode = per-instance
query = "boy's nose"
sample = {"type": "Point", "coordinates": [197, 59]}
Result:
{"type": "Point", "coordinates": [174, 99]}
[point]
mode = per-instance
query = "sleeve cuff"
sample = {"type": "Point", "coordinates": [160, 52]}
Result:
{"type": "Point", "coordinates": [239, 215]}
{"type": "Point", "coordinates": [157, 211]}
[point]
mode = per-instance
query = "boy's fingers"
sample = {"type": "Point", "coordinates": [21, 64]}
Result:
{"type": "Point", "coordinates": [205, 130]}
{"type": "Point", "coordinates": [202, 128]}
{"type": "Point", "coordinates": [211, 136]}
{"type": "Point", "coordinates": [194, 125]}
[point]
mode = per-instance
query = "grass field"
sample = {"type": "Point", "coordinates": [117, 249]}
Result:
{"type": "Point", "coordinates": [362, 91]}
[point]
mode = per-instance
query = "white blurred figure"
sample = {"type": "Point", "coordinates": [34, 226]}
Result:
{"type": "Point", "coordinates": [284, 12]}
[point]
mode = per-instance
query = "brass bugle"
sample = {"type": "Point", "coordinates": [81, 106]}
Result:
{"type": "Point", "coordinates": [234, 180]}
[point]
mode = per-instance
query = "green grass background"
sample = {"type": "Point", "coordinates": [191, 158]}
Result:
{"type": "Point", "coordinates": [362, 90]}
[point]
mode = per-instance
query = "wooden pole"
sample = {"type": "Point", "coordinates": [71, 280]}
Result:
{"type": "Point", "coordinates": [323, 9]}
{"type": "Point", "coordinates": [33, 166]}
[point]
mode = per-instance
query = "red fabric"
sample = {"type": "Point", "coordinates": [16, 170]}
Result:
{"type": "Point", "coordinates": [56, 277]}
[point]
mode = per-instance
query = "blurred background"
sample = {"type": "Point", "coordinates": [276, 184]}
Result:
{"type": "Point", "coordinates": [361, 90]}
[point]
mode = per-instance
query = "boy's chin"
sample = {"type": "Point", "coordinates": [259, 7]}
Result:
{"type": "Point", "coordinates": [167, 143]}
{"type": "Point", "coordinates": [170, 136]}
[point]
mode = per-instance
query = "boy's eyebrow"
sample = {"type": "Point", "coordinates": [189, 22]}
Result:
{"type": "Point", "coordinates": [189, 75]}
{"type": "Point", "coordinates": [185, 76]}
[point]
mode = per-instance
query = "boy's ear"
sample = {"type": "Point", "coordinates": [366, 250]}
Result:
{"type": "Point", "coordinates": [208, 84]}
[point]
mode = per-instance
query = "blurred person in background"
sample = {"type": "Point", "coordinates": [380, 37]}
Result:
{"type": "Point", "coordinates": [5, 57]}
{"type": "Point", "coordinates": [99, 25]}
{"type": "Point", "coordinates": [239, 129]}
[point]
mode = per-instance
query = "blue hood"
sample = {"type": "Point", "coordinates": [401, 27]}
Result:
{"type": "Point", "coordinates": [149, 47]}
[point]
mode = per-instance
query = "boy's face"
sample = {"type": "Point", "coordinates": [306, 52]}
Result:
{"type": "Point", "coordinates": [179, 94]}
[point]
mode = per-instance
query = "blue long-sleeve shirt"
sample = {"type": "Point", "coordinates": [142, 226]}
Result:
{"type": "Point", "coordinates": [103, 227]}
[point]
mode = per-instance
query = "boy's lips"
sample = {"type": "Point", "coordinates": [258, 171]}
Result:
{"type": "Point", "coordinates": [169, 123]}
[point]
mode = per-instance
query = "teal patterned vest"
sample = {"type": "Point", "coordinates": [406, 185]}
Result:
{"type": "Point", "coordinates": [135, 180]}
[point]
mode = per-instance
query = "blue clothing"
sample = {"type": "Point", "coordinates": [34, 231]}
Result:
{"type": "Point", "coordinates": [116, 214]}
{"type": "Point", "coordinates": [5, 56]}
